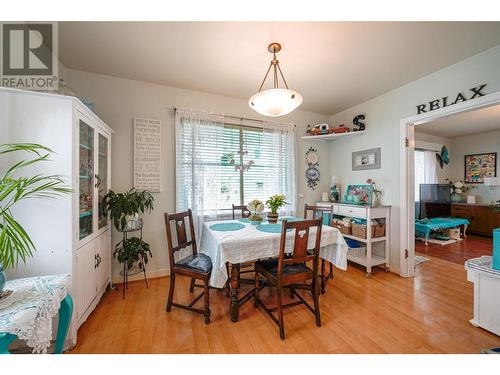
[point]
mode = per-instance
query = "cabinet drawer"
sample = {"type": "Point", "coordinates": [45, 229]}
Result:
{"type": "Point", "coordinates": [461, 211]}
{"type": "Point", "coordinates": [335, 207]}
{"type": "Point", "coordinates": [352, 211]}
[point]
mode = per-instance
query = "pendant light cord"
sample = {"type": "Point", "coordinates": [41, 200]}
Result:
{"type": "Point", "coordinates": [276, 64]}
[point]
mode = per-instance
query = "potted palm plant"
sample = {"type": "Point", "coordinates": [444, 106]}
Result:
{"type": "Point", "coordinates": [124, 208]}
{"type": "Point", "coordinates": [15, 243]}
{"type": "Point", "coordinates": [274, 203]}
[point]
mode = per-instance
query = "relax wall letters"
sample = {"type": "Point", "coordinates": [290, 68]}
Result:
{"type": "Point", "coordinates": [475, 92]}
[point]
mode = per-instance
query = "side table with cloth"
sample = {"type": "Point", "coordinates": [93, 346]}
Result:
{"type": "Point", "coordinates": [249, 244]}
{"type": "Point", "coordinates": [27, 314]}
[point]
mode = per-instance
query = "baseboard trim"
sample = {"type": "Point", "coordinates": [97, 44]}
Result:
{"type": "Point", "coordinates": [117, 279]}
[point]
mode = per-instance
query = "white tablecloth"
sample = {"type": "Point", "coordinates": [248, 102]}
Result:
{"type": "Point", "coordinates": [249, 244]}
{"type": "Point", "coordinates": [28, 312]}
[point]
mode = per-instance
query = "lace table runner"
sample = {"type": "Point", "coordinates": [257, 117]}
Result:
{"type": "Point", "coordinates": [28, 312]}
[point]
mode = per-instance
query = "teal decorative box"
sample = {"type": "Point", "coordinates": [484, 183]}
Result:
{"type": "Point", "coordinates": [496, 249]}
{"type": "Point", "coordinates": [358, 194]}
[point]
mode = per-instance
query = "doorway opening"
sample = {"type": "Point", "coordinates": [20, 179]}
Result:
{"type": "Point", "coordinates": [449, 183]}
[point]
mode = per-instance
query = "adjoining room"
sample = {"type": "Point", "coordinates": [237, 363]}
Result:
{"type": "Point", "coordinates": [249, 188]}
{"type": "Point", "coordinates": [455, 179]}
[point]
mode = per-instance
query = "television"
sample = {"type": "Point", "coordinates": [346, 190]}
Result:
{"type": "Point", "coordinates": [435, 201]}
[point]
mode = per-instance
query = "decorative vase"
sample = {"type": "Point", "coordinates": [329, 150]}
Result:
{"type": "Point", "coordinates": [272, 218]}
{"type": "Point", "coordinates": [255, 217]}
{"type": "Point", "coordinates": [334, 193]}
{"type": "Point", "coordinates": [377, 199]}
{"type": "Point", "coordinates": [3, 279]}
{"type": "Point", "coordinates": [455, 197]}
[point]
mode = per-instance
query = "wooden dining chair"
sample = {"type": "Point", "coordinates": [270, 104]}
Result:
{"type": "Point", "coordinates": [196, 266]}
{"type": "Point", "coordinates": [291, 271]}
{"type": "Point", "coordinates": [245, 212]}
{"type": "Point", "coordinates": [319, 211]}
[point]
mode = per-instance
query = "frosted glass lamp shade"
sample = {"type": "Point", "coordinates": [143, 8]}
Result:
{"type": "Point", "coordinates": [275, 102]}
{"type": "Point", "coordinates": [492, 181]}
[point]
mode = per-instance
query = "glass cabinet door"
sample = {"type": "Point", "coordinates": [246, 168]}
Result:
{"type": "Point", "coordinates": [86, 185]}
{"type": "Point", "coordinates": [102, 178]}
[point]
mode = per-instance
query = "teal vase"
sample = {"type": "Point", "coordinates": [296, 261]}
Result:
{"type": "Point", "coordinates": [455, 198]}
{"type": "Point", "coordinates": [3, 279]}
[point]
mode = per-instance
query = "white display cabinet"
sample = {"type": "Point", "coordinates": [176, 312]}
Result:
{"type": "Point", "coordinates": [70, 233]}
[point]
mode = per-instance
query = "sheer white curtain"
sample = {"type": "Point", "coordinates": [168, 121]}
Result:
{"type": "Point", "coordinates": [284, 140]}
{"type": "Point", "coordinates": [198, 136]}
{"type": "Point", "coordinates": [425, 170]}
{"type": "Point", "coordinates": [430, 167]}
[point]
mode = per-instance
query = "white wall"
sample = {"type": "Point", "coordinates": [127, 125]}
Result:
{"type": "Point", "coordinates": [383, 116]}
{"type": "Point", "coordinates": [119, 100]}
{"type": "Point", "coordinates": [475, 144]}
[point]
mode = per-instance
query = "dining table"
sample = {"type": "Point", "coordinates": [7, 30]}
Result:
{"type": "Point", "coordinates": [240, 241]}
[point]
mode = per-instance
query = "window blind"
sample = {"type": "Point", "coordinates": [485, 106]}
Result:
{"type": "Point", "coordinates": [207, 155]}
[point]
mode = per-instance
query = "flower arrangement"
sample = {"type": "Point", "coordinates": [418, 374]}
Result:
{"type": "Point", "coordinates": [275, 202]}
{"type": "Point", "coordinates": [457, 187]}
{"type": "Point", "coordinates": [256, 207]}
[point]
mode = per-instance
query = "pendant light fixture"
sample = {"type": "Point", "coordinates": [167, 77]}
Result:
{"type": "Point", "coordinates": [276, 101]}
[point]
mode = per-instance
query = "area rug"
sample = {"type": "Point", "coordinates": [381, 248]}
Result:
{"type": "Point", "coordinates": [439, 242]}
{"type": "Point", "coordinates": [419, 259]}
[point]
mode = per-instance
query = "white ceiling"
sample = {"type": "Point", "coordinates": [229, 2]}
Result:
{"type": "Point", "coordinates": [334, 65]}
{"type": "Point", "coordinates": [478, 121]}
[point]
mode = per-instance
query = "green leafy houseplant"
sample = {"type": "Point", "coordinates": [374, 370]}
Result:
{"type": "Point", "coordinates": [133, 250]}
{"type": "Point", "coordinates": [122, 205]}
{"type": "Point", "coordinates": [15, 242]}
{"type": "Point", "coordinates": [275, 202]}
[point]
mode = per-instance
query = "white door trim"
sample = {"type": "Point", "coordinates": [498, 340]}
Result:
{"type": "Point", "coordinates": [407, 175]}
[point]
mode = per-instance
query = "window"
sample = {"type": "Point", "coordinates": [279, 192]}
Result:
{"type": "Point", "coordinates": [207, 156]}
{"type": "Point", "coordinates": [425, 170]}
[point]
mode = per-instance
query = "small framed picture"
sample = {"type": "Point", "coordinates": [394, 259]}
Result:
{"type": "Point", "coordinates": [366, 159]}
{"type": "Point", "coordinates": [479, 166]}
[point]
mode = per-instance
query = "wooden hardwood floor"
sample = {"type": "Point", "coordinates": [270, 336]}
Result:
{"type": "Point", "coordinates": [470, 247]}
{"type": "Point", "coordinates": [382, 314]}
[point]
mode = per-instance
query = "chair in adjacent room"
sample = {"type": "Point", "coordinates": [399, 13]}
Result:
{"type": "Point", "coordinates": [195, 266]}
{"type": "Point", "coordinates": [326, 214]}
{"type": "Point", "coordinates": [291, 271]}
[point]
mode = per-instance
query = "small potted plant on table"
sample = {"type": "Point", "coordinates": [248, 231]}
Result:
{"type": "Point", "coordinates": [274, 203]}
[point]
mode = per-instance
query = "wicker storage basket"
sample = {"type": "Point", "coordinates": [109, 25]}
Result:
{"type": "Point", "coordinates": [343, 229]}
{"type": "Point", "coordinates": [359, 230]}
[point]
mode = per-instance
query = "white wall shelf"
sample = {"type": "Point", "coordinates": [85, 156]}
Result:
{"type": "Point", "coordinates": [331, 137]}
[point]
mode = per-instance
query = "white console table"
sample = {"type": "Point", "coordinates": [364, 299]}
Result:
{"type": "Point", "coordinates": [368, 260]}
